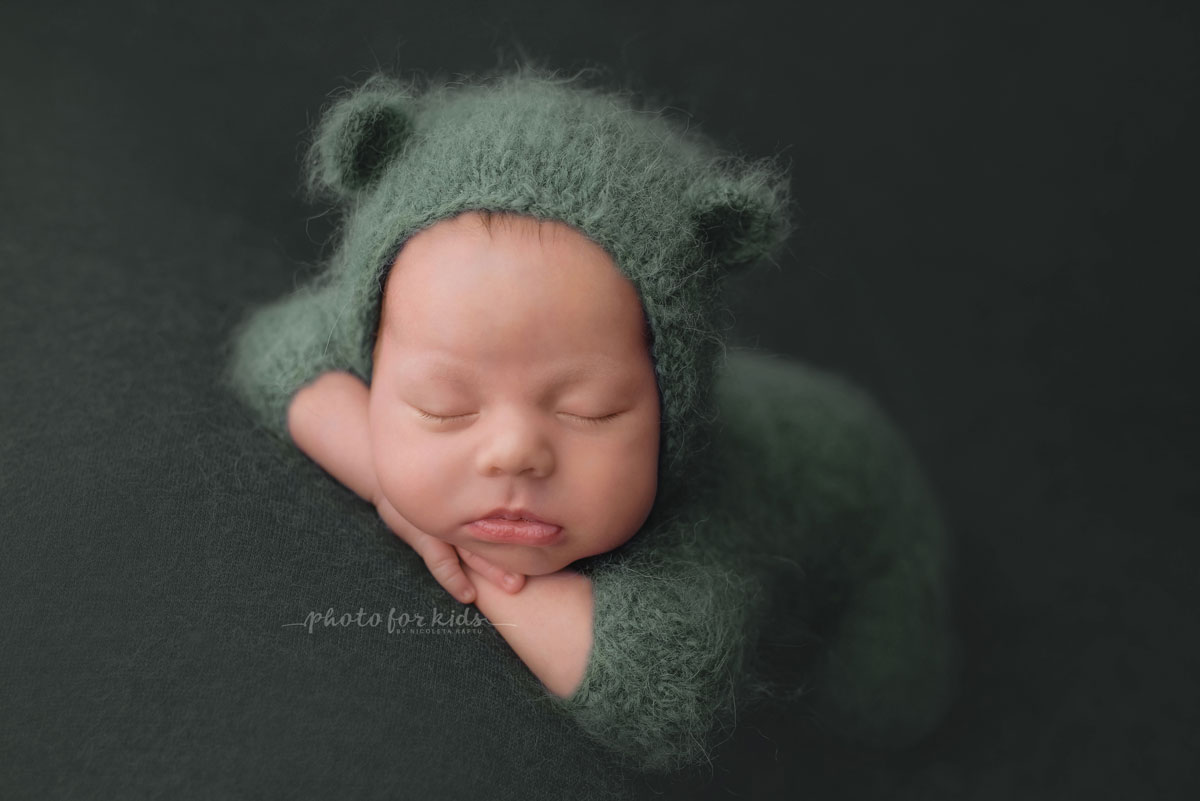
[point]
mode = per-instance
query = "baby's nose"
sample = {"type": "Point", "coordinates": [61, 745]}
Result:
{"type": "Point", "coordinates": [516, 447]}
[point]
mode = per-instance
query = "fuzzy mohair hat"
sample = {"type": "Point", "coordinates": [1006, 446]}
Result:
{"type": "Point", "coordinates": [672, 211]}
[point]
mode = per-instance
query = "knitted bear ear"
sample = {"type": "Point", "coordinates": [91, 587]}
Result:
{"type": "Point", "coordinates": [358, 136]}
{"type": "Point", "coordinates": [741, 214]}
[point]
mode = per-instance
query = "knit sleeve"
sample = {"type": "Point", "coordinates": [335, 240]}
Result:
{"type": "Point", "coordinates": [671, 636]}
{"type": "Point", "coordinates": [278, 348]}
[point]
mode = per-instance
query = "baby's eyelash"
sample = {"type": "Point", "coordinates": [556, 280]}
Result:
{"type": "Point", "coordinates": [597, 420]}
{"type": "Point", "coordinates": [589, 420]}
{"type": "Point", "coordinates": [438, 418]}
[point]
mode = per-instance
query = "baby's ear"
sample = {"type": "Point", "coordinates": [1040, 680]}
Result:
{"type": "Point", "coordinates": [741, 213]}
{"type": "Point", "coordinates": [358, 136]}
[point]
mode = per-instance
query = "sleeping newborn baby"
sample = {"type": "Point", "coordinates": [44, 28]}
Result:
{"type": "Point", "coordinates": [512, 420]}
{"type": "Point", "coordinates": [516, 353]}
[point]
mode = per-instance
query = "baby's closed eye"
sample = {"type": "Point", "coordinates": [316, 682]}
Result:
{"type": "Point", "coordinates": [597, 420]}
{"type": "Point", "coordinates": [447, 418]}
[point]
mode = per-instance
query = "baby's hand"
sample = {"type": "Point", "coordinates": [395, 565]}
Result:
{"type": "Point", "coordinates": [442, 558]}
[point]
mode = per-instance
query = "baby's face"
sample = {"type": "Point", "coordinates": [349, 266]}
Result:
{"type": "Point", "coordinates": [512, 371]}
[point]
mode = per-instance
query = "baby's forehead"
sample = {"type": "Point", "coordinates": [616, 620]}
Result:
{"type": "Point", "coordinates": [471, 235]}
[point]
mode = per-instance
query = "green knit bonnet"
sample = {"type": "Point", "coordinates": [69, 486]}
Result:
{"type": "Point", "coordinates": [673, 211]}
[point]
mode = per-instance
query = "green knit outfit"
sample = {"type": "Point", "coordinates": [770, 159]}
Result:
{"type": "Point", "coordinates": [793, 547]}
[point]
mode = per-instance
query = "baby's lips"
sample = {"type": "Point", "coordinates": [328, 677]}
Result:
{"type": "Point", "coordinates": [515, 532]}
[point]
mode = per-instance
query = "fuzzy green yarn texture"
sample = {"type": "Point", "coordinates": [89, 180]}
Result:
{"type": "Point", "coordinates": [794, 549]}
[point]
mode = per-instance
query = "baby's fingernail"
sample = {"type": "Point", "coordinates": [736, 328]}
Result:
{"type": "Point", "coordinates": [466, 596]}
{"type": "Point", "coordinates": [510, 580]}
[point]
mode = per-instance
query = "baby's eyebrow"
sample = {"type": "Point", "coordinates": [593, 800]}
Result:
{"type": "Point", "coordinates": [460, 373]}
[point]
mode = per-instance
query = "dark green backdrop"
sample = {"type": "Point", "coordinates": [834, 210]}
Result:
{"type": "Point", "coordinates": [998, 241]}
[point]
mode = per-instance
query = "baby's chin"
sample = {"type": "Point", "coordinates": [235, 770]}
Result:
{"type": "Point", "coordinates": [525, 560]}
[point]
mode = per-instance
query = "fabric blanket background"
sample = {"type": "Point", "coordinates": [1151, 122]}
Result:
{"type": "Point", "coordinates": [996, 244]}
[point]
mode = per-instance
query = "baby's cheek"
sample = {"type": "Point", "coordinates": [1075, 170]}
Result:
{"type": "Point", "coordinates": [411, 475]}
{"type": "Point", "coordinates": [387, 454]}
{"type": "Point", "coordinates": [393, 464]}
{"type": "Point", "coordinates": [413, 481]}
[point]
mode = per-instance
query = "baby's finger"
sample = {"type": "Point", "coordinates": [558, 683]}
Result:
{"type": "Point", "coordinates": [442, 561]}
{"type": "Point", "coordinates": [512, 582]}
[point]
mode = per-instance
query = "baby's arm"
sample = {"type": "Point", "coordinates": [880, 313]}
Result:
{"type": "Point", "coordinates": [548, 624]}
{"type": "Point", "coordinates": [325, 422]}
{"type": "Point", "coordinates": [327, 419]}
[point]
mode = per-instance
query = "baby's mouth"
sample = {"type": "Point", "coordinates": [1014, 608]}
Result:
{"type": "Point", "coordinates": [515, 532]}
